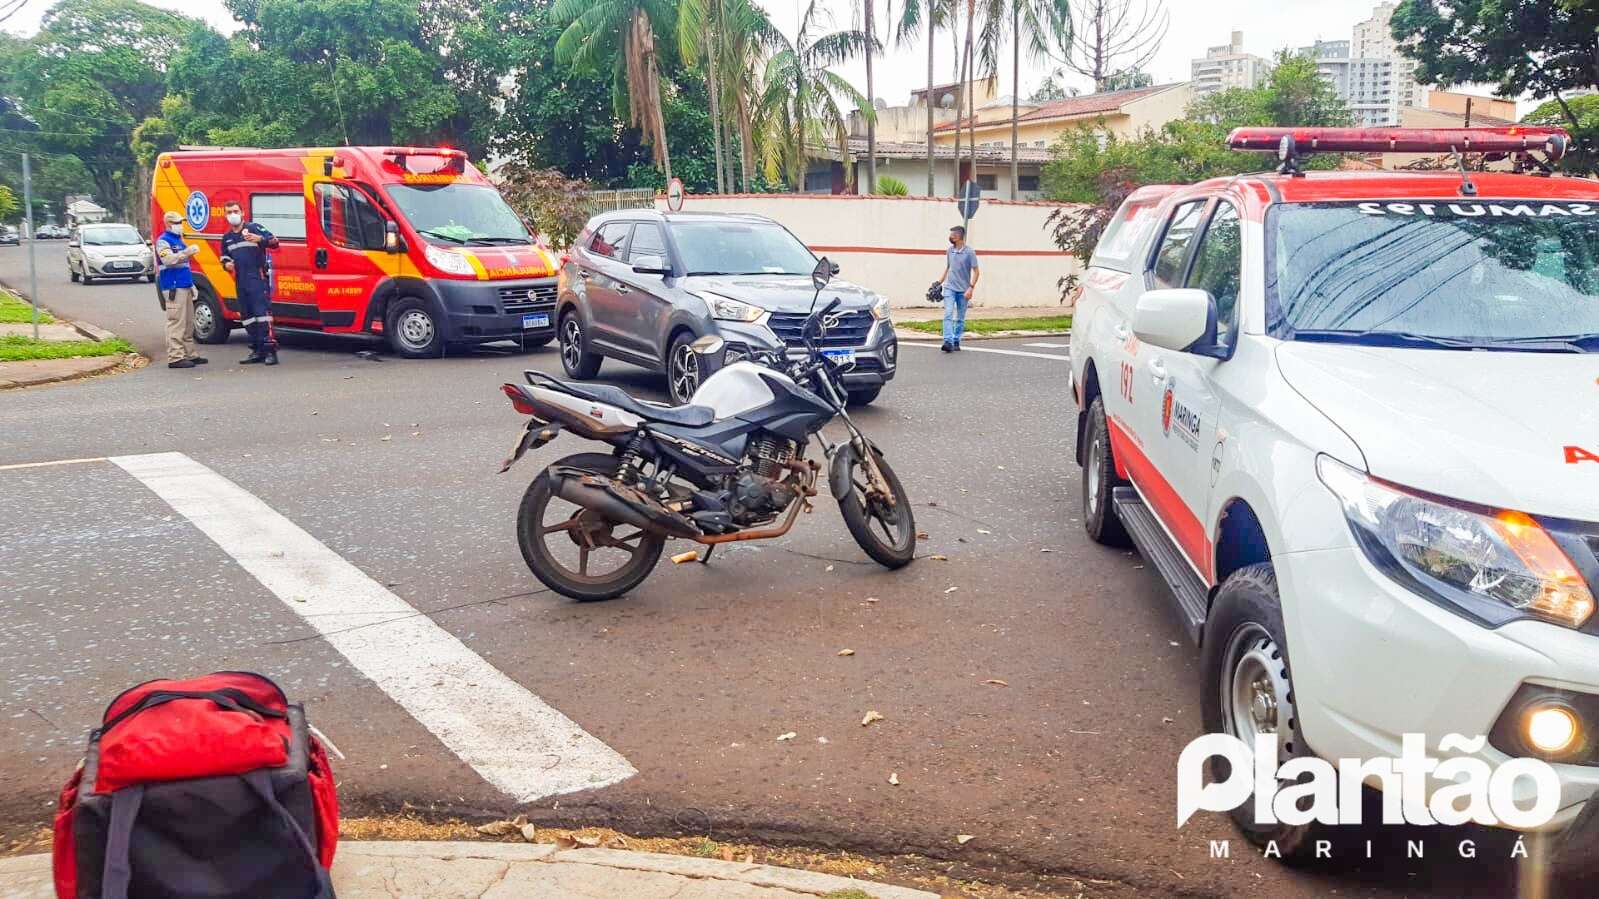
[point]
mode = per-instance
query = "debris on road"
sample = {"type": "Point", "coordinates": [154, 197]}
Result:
{"type": "Point", "coordinates": [846, 652]}
{"type": "Point", "coordinates": [788, 736]}
{"type": "Point", "coordinates": [996, 682]}
{"type": "Point", "coordinates": [893, 778]}
{"type": "Point", "coordinates": [872, 715]}
{"type": "Point", "coordinates": [950, 590]}
{"type": "Point", "coordinates": [939, 557]}
{"type": "Point", "coordinates": [690, 556]}
{"type": "Point", "coordinates": [964, 838]}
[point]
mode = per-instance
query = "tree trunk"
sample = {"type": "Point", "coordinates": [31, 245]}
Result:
{"type": "Point", "coordinates": [660, 114]}
{"type": "Point", "coordinates": [971, 85]}
{"type": "Point", "coordinates": [931, 33]}
{"type": "Point", "coordinates": [1015, 88]}
{"type": "Point", "coordinates": [746, 141]}
{"type": "Point", "coordinates": [960, 82]}
{"type": "Point", "coordinates": [715, 89]}
{"type": "Point", "coordinates": [871, 107]}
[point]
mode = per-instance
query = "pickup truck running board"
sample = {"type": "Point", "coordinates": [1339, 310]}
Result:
{"type": "Point", "coordinates": [1187, 589]}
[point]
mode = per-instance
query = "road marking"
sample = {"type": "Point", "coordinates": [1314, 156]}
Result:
{"type": "Point", "coordinates": [17, 465]}
{"type": "Point", "coordinates": [508, 735]}
{"type": "Point", "coordinates": [1049, 346]}
{"type": "Point", "coordinates": [1059, 357]}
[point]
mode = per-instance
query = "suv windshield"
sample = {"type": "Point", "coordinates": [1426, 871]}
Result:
{"type": "Point", "coordinates": [1502, 275]}
{"type": "Point", "coordinates": [121, 235]}
{"type": "Point", "coordinates": [454, 214]}
{"type": "Point", "coordinates": [740, 248]}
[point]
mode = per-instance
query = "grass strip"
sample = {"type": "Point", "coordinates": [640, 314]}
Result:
{"type": "Point", "coordinates": [1047, 323]}
{"type": "Point", "coordinates": [19, 349]}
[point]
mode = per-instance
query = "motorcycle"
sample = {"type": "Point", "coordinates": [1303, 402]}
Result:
{"type": "Point", "coordinates": [731, 465]}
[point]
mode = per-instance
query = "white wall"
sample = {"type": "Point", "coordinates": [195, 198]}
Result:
{"type": "Point", "coordinates": [895, 245]}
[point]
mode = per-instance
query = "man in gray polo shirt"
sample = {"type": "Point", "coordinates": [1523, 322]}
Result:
{"type": "Point", "coordinates": [961, 272]}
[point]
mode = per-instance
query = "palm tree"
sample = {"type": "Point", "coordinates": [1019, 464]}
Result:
{"type": "Point", "coordinates": [799, 101]}
{"type": "Point", "coordinates": [701, 29]}
{"type": "Point", "coordinates": [912, 15]}
{"type": "Point", "coordinates": [623, 33]}
{"type": "Point", "coordinates": [869, 25]}
{"type": "Point", "coordinates": [1041, 25]}
{"type": "Point", "coordinates": [747, 34]}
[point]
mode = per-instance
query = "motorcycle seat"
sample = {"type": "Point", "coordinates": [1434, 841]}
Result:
{"type": "Point", "coordinates": [686, 416]}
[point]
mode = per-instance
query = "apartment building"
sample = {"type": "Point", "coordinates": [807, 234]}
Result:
{"type": "Point", "coordinates": [1228, 66]}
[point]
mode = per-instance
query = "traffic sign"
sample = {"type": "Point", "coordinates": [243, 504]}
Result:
{"type": "Point", "coordinates": [674, 194]}
{"type": "Point", "coordinates": [971, 194]}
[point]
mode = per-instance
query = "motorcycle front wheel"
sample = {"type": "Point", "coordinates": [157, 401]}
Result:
{"type": "Point", "coordinates": [886, 532]}
{"type": "Point", "coordinates": [575, 551]}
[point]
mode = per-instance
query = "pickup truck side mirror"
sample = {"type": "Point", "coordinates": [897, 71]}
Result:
{"type": "Point", "coordinates": [1177, 318]}
{"type": "Point", "coordinates": [651, 264]}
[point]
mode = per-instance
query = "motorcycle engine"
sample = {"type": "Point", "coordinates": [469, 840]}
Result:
{"type": "Point", "coordinates": [759, 494]}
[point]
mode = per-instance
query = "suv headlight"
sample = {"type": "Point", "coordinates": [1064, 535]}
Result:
{"type": "Point", "coordinates": [447, 260]}
{"type": "Point", "coordinates": [879, 306]}
{"type": "Point", "coordinates": [729, 309]}
{"type": "Point", "coordinates": [1493, 566]}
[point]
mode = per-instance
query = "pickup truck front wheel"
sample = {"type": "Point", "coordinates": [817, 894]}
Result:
{"type": "Point", "coordinates": [1246, 689]}
{"type": "Point", "coordinates": [1099, 478]}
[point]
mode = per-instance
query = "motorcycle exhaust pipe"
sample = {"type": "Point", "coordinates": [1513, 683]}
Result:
{"type": "Point", "coordinates": [653, 518]}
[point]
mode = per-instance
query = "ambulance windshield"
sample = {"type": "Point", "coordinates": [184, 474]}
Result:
{"type": "Point", "coordinates": [460, 214]}
{"type": "Point", "coordinates": [1463, 274]}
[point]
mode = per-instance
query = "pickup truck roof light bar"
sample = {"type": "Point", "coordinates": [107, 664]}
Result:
{"type": "Point", "coordinates": [1292, 145]}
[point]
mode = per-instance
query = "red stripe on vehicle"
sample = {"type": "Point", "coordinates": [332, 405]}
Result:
{"type": "Point", "coordinates": [1168, 506]}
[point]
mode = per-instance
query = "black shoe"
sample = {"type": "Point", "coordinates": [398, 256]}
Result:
{"type": "Point", "coordinates": [947, 348]}
{"type": "Point", "coordinates": [253, 358]}
{"type": "Point", "coordinates": [199, 360]}
{"type": "Point", "coordinates": [271, 359]}
{"type": "Point", "coordinates": [957, 347]}
{"type": "Point", "coordinates": [181, 363]}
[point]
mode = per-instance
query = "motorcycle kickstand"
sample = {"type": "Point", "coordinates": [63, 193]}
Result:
{"type": "Point", "coordinates": [705, 557]}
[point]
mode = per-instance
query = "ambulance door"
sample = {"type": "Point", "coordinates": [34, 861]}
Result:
{"type": "Point", "coordinates": [348, 235]}
{"type": "Point", "coordinates": [293, 296]}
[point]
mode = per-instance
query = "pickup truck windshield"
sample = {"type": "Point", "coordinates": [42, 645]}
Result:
{"type": "Point", "coordinates": [1448, 274]}
{"type": "Point", "coordinates": [111, 237]}
{"type": "Point", "coordinates": [740, 248]}
{"type": "Point", "coordinates": [457, 214]}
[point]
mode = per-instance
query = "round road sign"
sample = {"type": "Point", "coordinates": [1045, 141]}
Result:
{"type": "Point", "coordinates": [674, 194]}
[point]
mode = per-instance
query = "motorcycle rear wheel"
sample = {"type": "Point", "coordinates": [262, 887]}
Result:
{"type": "Point", "coordinates": [886, 533]}
{"type": "Point", "coordinates": [547, 546]}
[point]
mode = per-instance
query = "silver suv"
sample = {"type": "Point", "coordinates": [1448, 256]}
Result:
{"type": "Point", "coordinates": [641, 285]}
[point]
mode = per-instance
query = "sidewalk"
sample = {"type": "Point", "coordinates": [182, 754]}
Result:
{"type": "Point", "coordinates": [928, 312]}
{"type": "Point", "coordinates": [530, 871]}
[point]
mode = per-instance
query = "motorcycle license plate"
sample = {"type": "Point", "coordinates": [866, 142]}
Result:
{"type": "Point", "coordinates": [840, 357]}
{"type": "Point", "coordinates": [536, 320]}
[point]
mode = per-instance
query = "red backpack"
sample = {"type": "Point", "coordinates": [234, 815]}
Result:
{"type": "Point", "coordinates": [211, 787]}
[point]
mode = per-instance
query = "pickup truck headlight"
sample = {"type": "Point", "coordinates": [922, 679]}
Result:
{"type": "Point", "coordinates": [447, 260]}
{"type": "Point", "coordinates": [1493, 566]}
{"type": "Point", "coordinates": [729, 309]}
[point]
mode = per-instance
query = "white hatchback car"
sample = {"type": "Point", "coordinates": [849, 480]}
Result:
{"type": "Point", "coordinates": [109, 251]}
{"type": "Point", "coordinates": [1353, 420]}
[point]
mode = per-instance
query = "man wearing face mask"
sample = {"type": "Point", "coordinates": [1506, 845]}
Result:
{"type": "Point", "coordinates": [176, 291]}
{"type": "Point", "coordinates": [244, 254]}
{"type": "Point", "coordinates": [959, 282]}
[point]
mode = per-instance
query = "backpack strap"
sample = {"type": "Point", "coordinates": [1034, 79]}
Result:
{"type": "Point", "coordinates": [261, 782]}
{"type": "Point", "coordinates": [119, 835]}
{"type": "Point", "coordinates": [229, 698]}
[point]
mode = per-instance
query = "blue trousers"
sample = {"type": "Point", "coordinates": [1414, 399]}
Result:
{"type": "Point", "coordinates": [255, 309]}
{"type": "Point", "coordinates": [954, 315]}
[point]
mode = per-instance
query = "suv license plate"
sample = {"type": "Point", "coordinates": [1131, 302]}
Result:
{"type": "Point", "coordinates": [840, 357]}
{"type": "Point", "coordinates": [536, 320]}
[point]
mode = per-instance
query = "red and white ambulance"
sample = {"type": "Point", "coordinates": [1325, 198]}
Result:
{"type": "Point", "coordinates": [413, 244]}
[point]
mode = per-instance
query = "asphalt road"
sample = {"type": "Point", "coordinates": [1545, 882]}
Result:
{"type": "Point", "coordinates": [1066, 769]}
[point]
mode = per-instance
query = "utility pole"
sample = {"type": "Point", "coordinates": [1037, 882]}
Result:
{"type": "Point", "coordinates": [33, 268]}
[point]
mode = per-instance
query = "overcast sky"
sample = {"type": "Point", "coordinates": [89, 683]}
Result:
{"type": "Point", "coordinates": [1268, 25]}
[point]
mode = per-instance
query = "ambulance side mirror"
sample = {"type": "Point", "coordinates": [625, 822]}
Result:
{"type": "Point", "coordinates": [392, 241]}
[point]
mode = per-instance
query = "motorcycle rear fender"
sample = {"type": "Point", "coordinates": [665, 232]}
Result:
{"type": "Point", "coordinates": [536, 434]}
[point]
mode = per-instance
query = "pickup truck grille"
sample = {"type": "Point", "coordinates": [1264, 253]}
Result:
{"type": "Point", "coordinates": [850, 331]}
{"type": "Point", "coordinates": [527, 298]}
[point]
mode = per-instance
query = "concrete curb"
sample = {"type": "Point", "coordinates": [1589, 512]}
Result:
{"type": "Point", "coordinates": [381, 870]}
{"type": "Point", "coordinates": [906, 334]}
{"type": "Point", "coordinates": [92, 332]}
{"type": "Point", "coordinates": [21, 374]}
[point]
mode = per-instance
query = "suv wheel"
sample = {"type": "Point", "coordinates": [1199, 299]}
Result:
{"type": "Point", "coordinates": [682, 369]}
{"type": "Point", "coordinates": [1099, 478]}
{"type": "Point", "coordinates": [578, 362]}
{"type": "Point", "coordinates": [1246, 689]}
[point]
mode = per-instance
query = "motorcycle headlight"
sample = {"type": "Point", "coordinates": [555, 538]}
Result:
{"type": "Point", "coordinates": [446, 260]}
{"type": "Point", "coordinates": [729, 309]}
{"type": "Point", "coordinates": [879, 307]}
{"type": "Point", "coordinates": [1493, 566]}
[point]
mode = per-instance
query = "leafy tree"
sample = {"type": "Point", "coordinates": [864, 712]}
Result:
{"type": "Point", "coordinates": [800, 103]}
{"type": "Point", "coordinates": [555, 204]}
{"type": "Point", "coordinates": [1580, 116]}
{"type": "Point", "coordinates": [1053, 88]}
{"type": "Point", "coordinates": [1294, 94]}
{"type": "Point", "coordinates": [1542, 47]}
{"type": "Point", "coordinates": [10, 206]}
{"type": "Point", "coordinates": [889, 186]}
{"type": "Point", "coordinates": [1128, 79]}
{"type": "Point", "coordinates": [622, 35]}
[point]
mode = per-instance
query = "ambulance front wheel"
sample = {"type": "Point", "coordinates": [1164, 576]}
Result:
{"type": "Point", "coordinates": [210, 325]}
{"type": "Point", "coordinates": [414, 331]}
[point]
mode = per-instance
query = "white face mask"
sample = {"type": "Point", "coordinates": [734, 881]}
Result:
{"type": "Point", "coordinates": [175, 229]}
{"type": "Point", "coordinates": [234, 218]}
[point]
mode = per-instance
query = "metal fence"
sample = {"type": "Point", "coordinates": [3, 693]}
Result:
{"type": "Point", "coordinates": [631, 198]}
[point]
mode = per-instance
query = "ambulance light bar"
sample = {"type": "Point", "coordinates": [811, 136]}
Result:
{"type": "Point", "coordinates": [1286, 142]}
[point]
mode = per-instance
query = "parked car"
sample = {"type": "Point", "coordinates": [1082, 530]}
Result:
{"type": "Point", "coordinates": [9, 237]}
{"type": "Point", "coordinates": [1350, 418]}
{"type": "Point", "coordinates": [641, 286]}
{"type": "Point", "coordinates": [109, 250]}
{"type": "Point", "coordinates": [50, 232]}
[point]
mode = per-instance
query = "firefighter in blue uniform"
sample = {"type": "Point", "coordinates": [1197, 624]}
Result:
{"type": "Point", "coordinates": [244, 254]}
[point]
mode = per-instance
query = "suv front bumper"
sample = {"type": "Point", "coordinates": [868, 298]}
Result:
{"type": "Point", "coordinates": [876, 358]}
{"type": "Point", "coordinates": [486, 311]}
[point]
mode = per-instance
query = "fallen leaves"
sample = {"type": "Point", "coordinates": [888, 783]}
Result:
{"type": "Point", "coordinates": [788, 736]}
{"type": "Point", "coordinates": [846, 652]}
{"type": "Point", "coordinates": [893, 778]}
{"type": "Point", "coordinates": [871, 715]}
{"type": "Point", "coordinates": [509, 827]}
{"type": "Point", "coordinates": [964, 838]}
{"type": "Point", "coordinates": [950, 590]}
{"type": "Point", "coordinates": [939, 557]}
{"type": "Point", "coordinates": [576, 841]}
{"type": "Point", "coordinates": [996, 682]}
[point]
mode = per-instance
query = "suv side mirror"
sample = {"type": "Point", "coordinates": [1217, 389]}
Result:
{"type": "Point", "coordinates": [1176, 318]}
{"type": "Point", "coordinates": [823, 273]}
{"type": "Point", "coordinates": [651, 264]}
